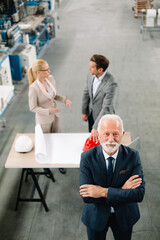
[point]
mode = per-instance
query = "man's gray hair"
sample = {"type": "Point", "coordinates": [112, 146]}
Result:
{"type": "Point", "coordinates": [110, 117]}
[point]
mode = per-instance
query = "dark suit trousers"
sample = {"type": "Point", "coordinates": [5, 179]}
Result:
{"type": "Point", "coordinates": [90, 122]}
{"type": "Point", "coordinates": [117, 232]}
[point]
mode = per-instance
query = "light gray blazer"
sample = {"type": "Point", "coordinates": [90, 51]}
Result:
{"type": "Point", "coordinates": [102, 103]}
{"type": "Point", "coordinates": [40, 101]}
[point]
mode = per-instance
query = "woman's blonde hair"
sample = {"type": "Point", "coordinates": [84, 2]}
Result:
{"type": "Point", "coordinates": [32, 71]}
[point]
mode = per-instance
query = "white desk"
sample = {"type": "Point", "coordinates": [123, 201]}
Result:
{"type": "Point", "coordinates": [67, 151]}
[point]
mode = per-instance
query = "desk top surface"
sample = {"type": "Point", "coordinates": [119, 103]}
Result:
{"type": "Point", "coordinates": [75, 143]}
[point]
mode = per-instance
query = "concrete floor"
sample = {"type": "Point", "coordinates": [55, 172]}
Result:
{"type": "Point", "coordinates": [88, 27]}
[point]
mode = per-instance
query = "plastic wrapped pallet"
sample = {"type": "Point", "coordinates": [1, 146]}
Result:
{"type": "Point", "coordinates": [158, 17]}
{"type": "Point", "coordinates": [6, 94]}
{"type": "Point", "coordinates": [150, 17]}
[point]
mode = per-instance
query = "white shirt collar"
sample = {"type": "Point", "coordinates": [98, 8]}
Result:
{"type": "Point", "coordinates": [107, 156]}
{"type": "Point", "coordinates": [102, 76]}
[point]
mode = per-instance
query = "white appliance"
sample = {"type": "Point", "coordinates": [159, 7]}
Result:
{"type": "Point", "coordinates": [6, 94]}
{"type": "Point", "coordinates": [5, 71]}
{"type": "Point", "coordinates": [28, 56]}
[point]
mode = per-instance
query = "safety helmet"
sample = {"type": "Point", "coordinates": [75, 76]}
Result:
{"type": "Point", "coordinates": [23, 144]}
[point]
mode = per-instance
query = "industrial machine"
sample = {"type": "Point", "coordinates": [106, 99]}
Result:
{"type": "Point", "coordinates": [6, 85]}
{"type": "Point", "coordinates": [5, 71]}
{"type": "Point", "coordinates": [28, 56]}
{"type": "Point", "coordinates": [6, 95]}
{"type": "Point", "coordinates": [26, 27]}
{"type": "Point", "coordinates": [14, 9]}
{"type": "Point", "coordinates": [21, 59]}
{"type": "Point", "coordinates": [15, 16]}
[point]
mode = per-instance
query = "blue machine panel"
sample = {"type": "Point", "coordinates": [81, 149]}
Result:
{"type": "Point", "coordinates": [37, 2]}
{"type": "Point", "coordinates": [16, 67]}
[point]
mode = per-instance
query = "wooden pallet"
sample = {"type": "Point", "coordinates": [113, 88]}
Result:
{"type": "Point", "coordinates": [141, 4]}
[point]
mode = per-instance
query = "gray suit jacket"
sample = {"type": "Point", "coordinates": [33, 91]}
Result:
{"type": "Point", "coordinates": [102, 103]}
{"type": "Point", "coordinates": [40, 101]}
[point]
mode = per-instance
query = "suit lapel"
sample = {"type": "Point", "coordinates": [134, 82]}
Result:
{"type": "Point", "coordinates": [118, 166]}
{"type": "Point", "coordinates": [102, 165]}
{"type": "Point", "coordinates": [51, 85]}
{"type": "Point", "coordinates": [103, 168]}
{"type": "Point", "coordinates": [91, 86]}
{"type": "Point", "coordinates": [101, 85]}
{"type": "Point", "coordinates": [45, 93]}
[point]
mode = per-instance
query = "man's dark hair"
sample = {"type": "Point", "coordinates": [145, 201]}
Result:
{"type": "Point", "coordinates": [101, 61]}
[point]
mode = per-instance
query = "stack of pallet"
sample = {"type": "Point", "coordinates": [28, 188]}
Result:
{"type": "Point", "coordinates": [141, 4]}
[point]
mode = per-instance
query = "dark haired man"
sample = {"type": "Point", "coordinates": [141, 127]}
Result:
{"type": "Point", "coordinates": [98, 94]}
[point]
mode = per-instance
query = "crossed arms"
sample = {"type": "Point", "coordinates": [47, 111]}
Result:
{"type": "Point", "coordinates": [132, 190]}
{"type": "Point", "coordinates": [94, 191]}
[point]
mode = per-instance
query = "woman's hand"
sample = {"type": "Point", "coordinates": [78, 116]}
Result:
{"type": "Point", "coordinates": [67, 101]}
{"type": "Point", "coordinates": [52, 109]}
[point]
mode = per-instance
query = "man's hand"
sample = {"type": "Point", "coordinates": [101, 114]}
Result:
{"type": "Point", "coordinates": [85, 117]}
{"type": "Point", "coordinates": [94, 135]}
{"type": "Point", "coordinates": [93, 191]}
{"type": "Point", "coordinates": [133, 182]}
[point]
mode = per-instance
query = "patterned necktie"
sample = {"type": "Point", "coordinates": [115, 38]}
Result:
{"type": "Point", "coordinates": [109, 171]}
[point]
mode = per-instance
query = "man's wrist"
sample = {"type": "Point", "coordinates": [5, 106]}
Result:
{"type": "Point", "coordinates": [105, 192]}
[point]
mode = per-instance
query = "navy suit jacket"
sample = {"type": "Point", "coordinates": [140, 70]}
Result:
{"type": "Point", "coordinates": [124, 201]}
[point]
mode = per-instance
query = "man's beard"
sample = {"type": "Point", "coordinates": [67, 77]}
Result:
{"type": "Point", "coordinates": [110, 149]}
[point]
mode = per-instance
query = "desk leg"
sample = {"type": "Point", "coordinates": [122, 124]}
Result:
{"type": "Point", "coordinates": [38, 189]}
{"type": "Point", "coordinates": [26, 178]}
{"type": "Point", "coordinates": [41, 199]}
{"type": "Point", "coordinates": [49, 174]}
{"type": "Point", "coordinates": [19, 189]}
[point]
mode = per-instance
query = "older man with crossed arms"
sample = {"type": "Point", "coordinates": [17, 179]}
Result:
{"type": "Point", "coordinates": [111, 183]}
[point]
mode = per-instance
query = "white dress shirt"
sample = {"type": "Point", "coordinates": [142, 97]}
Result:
{"type": "Point", "coordinates": [113, 163]}
{"type": "Point", "coordinates": [107, 156]}
{"type": "Point", "coordinates": [96, 83]}
{"type": "Point", "coordinates": [50, 90]}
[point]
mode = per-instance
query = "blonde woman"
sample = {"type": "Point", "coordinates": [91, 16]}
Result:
{"type": "Point", "coordinates": [42, 96]}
